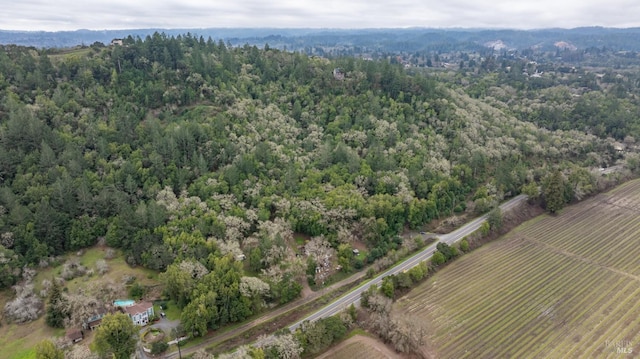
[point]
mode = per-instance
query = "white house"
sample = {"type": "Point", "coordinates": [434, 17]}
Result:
{"type": "Point", "coordinates": [140, 313]}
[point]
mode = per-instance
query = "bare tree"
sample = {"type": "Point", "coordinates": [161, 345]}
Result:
{"type": "Point", "coordinates": [46, 285]}
{"type": "Point", "coordinates": [102, 266]}
{"type": "Point", "coordinates": [408, 335]}
{"type": "Point", "coordinates": [285, 345]}
{"type": "Point", "coordinates": [321, 251]}
{"type": "Point", "coordinates": [405, 333]}
{"type": "Point", "coordinates": [81, 306]}
{"type": "Point", "coordinates": [252, 286]}
{"type": "Point", "coordinates": [110, 253]}
{"type": "Point", "coordinates": [6, 238]}
{"type": "Point", "coordinates": [26, 306]}
{"type": "Point", "coordinates": [241, 352]}
{"type": "Point", "coordinates": [196, 269]}
{"type": "Point", "coordinates": [72, 269]}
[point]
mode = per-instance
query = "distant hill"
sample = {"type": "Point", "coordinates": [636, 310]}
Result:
{"type": "Point", "coordinates": [391, 40]}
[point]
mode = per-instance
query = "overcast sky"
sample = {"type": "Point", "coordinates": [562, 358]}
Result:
{"type": "Point", "coordinates": [54, 15]}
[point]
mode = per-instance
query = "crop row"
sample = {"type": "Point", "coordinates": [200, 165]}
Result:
{"type": "Point", "coordinates": [565, 285]}
{"type": "Point", "coordinates": [527, 308]}
{"type": "Point", "coordinates": [357, 350]}
{"type": "Point", "coordinates": [506, 321]}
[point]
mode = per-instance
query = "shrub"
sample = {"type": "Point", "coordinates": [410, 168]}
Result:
{"type": "Point", "coordinates": [358, 263]}
{"type": "Point", "coordinates": [485, 228]}
{"type": "Point", "coordinates": [464, 245]}
{"type": "Point", "coordinates": [25, 307]}
{"type": "Point", "coordinates": [388, 287]}
{"type": "Point", "coordinates": [102, 266]}
{"type": "Point", "coordinates": [370, 273]}
{"type": "Point", "coordinates": [110, 253]}
{"type": "Point", "coordinates": [447, 251]}
{"type": "Point", "coordinates": [136, 291]}
{"type": "Point", "coordinates": [159, 347]}
{"type": "Point", "coordinates": [72, 269]}
{"type": "Point", "coordinates": [437, 259]}
{"type": "Point", "coordinates": [494, 218]}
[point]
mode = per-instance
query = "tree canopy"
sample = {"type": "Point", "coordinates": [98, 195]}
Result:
{"type": "Point", "coordinates": [191, 155]}
{"type": "Point", "coordinates": [117, 335]}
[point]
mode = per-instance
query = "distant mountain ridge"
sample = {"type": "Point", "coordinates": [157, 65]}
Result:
{"type": "Point", "coordinates": [392, 40]}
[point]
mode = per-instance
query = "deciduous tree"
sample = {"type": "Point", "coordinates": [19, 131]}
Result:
{"type": "Point", "coordinates": [553, 191]}
{"type": "Point", "coordinates": [117, 335]}
{"type": "Point", "coordinates": [47, 350]}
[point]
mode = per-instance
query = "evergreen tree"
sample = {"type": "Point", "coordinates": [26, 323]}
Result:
{"type": "Point", "coordinates": [56, 308]}
{"type": "Point", "coordinates": [553, 191]}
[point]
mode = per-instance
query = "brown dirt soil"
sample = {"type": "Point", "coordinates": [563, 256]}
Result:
{"type": "Point", "coordinates": [306, 290]}
{"type": "Point", "coordinates": [359, 245]}
{"type": "Point", "coordinates": [375, 349]}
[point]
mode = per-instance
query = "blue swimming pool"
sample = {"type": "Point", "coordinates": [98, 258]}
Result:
{"type": "Point", "coordinates": [123, 303]}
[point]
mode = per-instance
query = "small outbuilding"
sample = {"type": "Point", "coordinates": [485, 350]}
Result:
{"type": "Point", "coordinates": [74, 335]}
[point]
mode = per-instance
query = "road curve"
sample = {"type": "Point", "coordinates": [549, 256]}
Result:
{"type": "Point", "coordinates": [354, 296]}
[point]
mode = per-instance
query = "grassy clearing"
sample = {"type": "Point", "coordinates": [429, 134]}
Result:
{"type": "Point", "coordinates": [18, 341]}
{"type": "Point", "coordinates": [118, 269]}
{"type": "Point", "coordinates": [25, 354]}
{"type": "Point", "coordinates": [171, 310]}
{"type": "Point", "coordinates": [556, 287]}
{"type": "Point", "coordinates": [75, 52]}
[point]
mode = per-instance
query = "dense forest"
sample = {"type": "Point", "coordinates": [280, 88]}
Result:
{"type": "Point", "coordinates": [189, 154]}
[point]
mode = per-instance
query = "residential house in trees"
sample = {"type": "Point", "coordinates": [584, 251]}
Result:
{"type": "Point", "coordinates": [94, 321]}
{"type": "Point", "coordinates": [140, 313]}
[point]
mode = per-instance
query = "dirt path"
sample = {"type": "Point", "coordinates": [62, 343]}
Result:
{"type": "Point", "coordinates": [378, 346]}
{"type": "Point", "coordinates": [306, 290]}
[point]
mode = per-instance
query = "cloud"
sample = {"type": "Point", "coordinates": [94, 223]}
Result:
{"type": "Point", "coordinates": [128, 14]}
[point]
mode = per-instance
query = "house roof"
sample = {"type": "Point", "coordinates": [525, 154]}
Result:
{"type": "Point", "coordinates": [74, 334]}
{"type": "Point", "coordinates": [138, 308]}
{"type": "Point", "coordinates": [98, 314]}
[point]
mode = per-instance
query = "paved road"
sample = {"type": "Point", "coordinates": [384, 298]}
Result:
{"type": "Point", "coordinates": [353, 297]}
{"type": "Point", "coordinates": [221, 337]}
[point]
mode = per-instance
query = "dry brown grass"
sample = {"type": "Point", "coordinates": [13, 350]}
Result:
{"type": "Point", "coordinates": [360, 347]}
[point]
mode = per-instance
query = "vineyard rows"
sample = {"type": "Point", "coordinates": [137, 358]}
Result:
{"type": "Point", "coordinates": [558, 287]}
{"type": "Point", "coordinates": [358, 348]}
